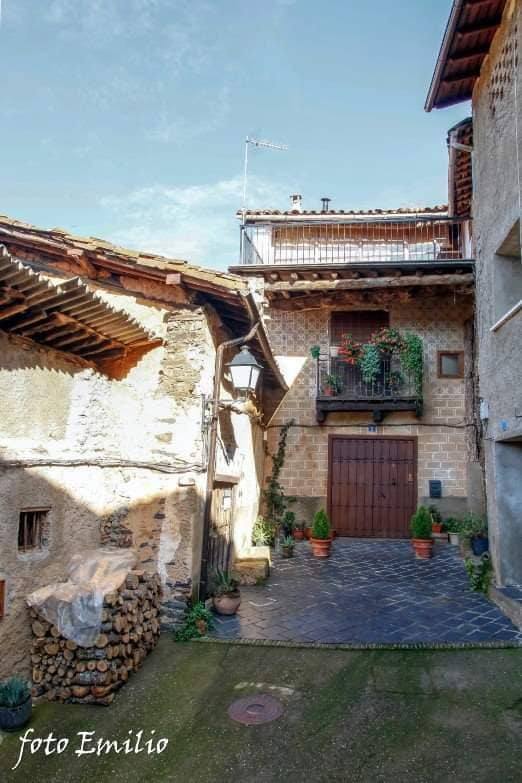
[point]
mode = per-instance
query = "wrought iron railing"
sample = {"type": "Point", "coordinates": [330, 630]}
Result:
{"type": "Point", "coordinates": [339, 380]}
{"type": "Point", "coordinates": [362, 241]}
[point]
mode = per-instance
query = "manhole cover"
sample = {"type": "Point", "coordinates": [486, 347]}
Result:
{"type": "Point", "coordinates": [255, 709]}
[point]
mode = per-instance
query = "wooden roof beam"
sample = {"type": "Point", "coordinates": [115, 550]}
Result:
{"type": "Point", "coordinates": [307, 286]}
{"type": "Point", "coordinates": [486, 27]}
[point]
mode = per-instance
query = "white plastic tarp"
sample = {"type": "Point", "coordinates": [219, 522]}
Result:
{"type": "Point", "coordinates": [75, 607]}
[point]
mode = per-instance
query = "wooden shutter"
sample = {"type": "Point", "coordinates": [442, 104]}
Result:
{"type": "Point", "coordinates": [361, 324]}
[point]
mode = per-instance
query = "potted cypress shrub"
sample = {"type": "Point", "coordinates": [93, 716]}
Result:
{"type": "Point", "coordinates": [15, 704]}
{"type": "Point", "coordinates": [321, 538]}
{"type": "Point", "coordinates": [226, 598]}
{"type": "Point", "coordinates": [420, 527]}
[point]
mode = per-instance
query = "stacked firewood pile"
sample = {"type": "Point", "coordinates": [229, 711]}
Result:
{"type": "Point", "coordinates": [64, 671]}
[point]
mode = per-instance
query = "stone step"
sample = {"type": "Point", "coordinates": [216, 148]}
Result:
{"type": "Point", "coordinates": [509, 601]}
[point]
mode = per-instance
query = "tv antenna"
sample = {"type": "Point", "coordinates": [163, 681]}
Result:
{"type": "Point", "coordinates": [255, 143]}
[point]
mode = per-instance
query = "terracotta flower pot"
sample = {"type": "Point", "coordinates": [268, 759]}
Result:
{"type": "Point", "coordinates": [298, 534]}
{"type": "Point", "coordinates": [422, 547]}
{"type": "Point", "coordinates": [321, 546]}
{"type": "Point", "coordinates": [436, 527]}
{"type": "Point", "coordinates": [308, 533]}
{"type": "Point", "coordinates": [228, 603]}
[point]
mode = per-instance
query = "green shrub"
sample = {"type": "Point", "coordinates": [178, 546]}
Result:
{"type": "Point", "coordinates": [321, 526]}
{"type": "Point", "coordinates": [14, 692]}
{"type": "Point", "coordinates": [479, 573]}
{"type": "Point", "coordinates": [370, 363]}
{"type": "Point", "coordinates": [453, 525]}
{"type": "Point", "coordinates": [288, 541]}
{"type": "Point", "coordinates": [198, 622]}
{"type": "Point", "coordinates": [263, 532]}
{"type": "Point", "coordinates": [420, 524]}
{"type": "Point", "coordinates": [474, 525]}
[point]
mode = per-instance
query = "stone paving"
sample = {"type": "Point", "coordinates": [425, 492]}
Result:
{"type": "Point", "coordinates": [367, 592]}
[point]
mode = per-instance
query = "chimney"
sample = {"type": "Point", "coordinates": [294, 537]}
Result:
{"type": "Point", "coordinates": [326, 203]}
{"type": "Point", "coordinates": [295, 202]}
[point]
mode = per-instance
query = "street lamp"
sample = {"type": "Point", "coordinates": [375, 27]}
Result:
{"type": "Point", "coordinates": [245, 371]}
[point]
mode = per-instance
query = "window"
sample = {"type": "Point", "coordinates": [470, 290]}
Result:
{"type": "Point", "coordinates": [361, 324]}
{"type": "Point", "coordinates": [32, 529]}
{"type": "Point", "coordinates": [451, 364]}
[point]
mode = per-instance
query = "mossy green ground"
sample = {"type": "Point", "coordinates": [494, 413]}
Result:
{"type": "Point", "coordinates": [349, 716]}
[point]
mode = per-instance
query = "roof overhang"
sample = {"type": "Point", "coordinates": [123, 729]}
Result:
{"type": "Point", "coordinates": [331, 285]}
{"type": "Point", "coordinates": [471, 27]}
{"type": "Point", "coordinates": [108, 264]}
{"type": "Point", "coordinates": [66, 316]}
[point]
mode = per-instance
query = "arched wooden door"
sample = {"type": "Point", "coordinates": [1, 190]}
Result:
{"type": "Point", "coordinates": [372, 485]}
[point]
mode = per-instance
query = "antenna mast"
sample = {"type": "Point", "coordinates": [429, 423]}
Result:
{"type": "Point", "coordinates": [254, 143]}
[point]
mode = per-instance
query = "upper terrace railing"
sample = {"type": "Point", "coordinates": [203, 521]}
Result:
{"type": "Point", "coordinates": [364, 241]}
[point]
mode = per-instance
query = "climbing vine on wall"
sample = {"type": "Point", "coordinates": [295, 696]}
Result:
{"type": "Point", "coordinates": [276, 501]}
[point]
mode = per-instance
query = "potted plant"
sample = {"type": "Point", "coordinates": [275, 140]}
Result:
{"type": "Point", "coordinates": [288, 523]}
{"type": "Point", "coordinates": [454, 527]}
{"type": "Point", "coordinates": [332, 385]}
{"type": "Point", "coordinates": [315, 351]}
{"type": "Point", "coordinates": [287, 547]}
{"type": "Point", "coordinates": [370, 363]}
{"type": "Point", "coordinates": [475, 528]}
{"type": "Point", "coordinates": [436, 519]}
{"type": "Point", "coordinates": [226, 598]}
{"type": "Point", "coordinates": [321, 538]}
{"type": "Point", "coordinates": [420, 527]}
{"type": "Point", "coordinates": [299, 532]}
{"type": "Point", "coordinates": [349, 350]}
{"type": "Point", "coordinates": [15, 704]}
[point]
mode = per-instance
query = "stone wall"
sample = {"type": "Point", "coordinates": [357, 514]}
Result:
{"type": "Point", "coordinates": [117, 461]}
{"type": "Point", "coordinates": [442, 432]}
{"type": "Point", "coordinates": [497, 173]}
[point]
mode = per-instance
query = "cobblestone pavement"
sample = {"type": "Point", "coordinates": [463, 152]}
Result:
{"type": "Point", "coordinates": [367, 591]}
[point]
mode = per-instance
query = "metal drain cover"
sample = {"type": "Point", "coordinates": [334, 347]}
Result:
{"type": "Point", "coordinates": [255, 709]}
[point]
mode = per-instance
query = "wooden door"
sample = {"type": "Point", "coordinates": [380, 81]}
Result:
{"type": "Point", "coordinates": [220, 533]}
{"type": "Point", "coordinates": [372, 485]}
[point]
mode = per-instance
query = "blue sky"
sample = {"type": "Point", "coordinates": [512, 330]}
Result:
{"type": "Point", "coordinates": [125, 119]}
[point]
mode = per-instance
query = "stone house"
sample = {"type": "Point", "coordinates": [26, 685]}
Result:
{"type": "Point", "coordinates": [368, 448]}
{"type": "Point", "coordinates": [106, 372]}
{"type": "Point", "coordinates": [480, 60]}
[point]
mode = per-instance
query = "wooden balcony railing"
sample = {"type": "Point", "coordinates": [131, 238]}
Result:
{"type": "Point", "coordinates": [341, 387]}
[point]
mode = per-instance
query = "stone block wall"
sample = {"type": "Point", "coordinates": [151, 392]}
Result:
{"type": "Point", "coordinates": [442, 450]}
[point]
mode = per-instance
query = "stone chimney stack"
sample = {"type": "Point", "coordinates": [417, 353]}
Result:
{"type": "Point", "coordinates": [295, 202]}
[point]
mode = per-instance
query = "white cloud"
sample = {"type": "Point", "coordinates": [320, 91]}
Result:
{"type": "Point", "coordinates": [196, 223]}
{"type": "Point", "coordinates": [179, 130]}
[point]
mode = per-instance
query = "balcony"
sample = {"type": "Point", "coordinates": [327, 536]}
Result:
{"type": "Point", "coordinates": [378, 241]}
{"type": "Point", "coordinates": [340, 387]}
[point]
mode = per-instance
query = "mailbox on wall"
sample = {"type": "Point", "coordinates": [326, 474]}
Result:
{"type": "Point", "coordinates": [435, 489]}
